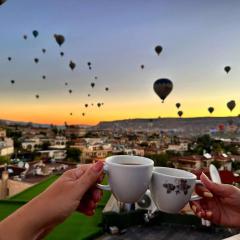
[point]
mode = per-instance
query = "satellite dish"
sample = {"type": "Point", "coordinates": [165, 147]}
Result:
{"type": "Point", "coordinates": [145, 201]}
{"type": "Point", "coordinates": [214, 174]}
{"type": "Point", "coordinates": [10, 170]}
{"type": "Point", "coordinates": [27, 165]}
{"type": "Point", "coordinates": [21, 164]}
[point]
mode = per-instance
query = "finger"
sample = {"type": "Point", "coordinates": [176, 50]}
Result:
{"type": "Point", "coordinates": [197, 208]}
{"type": "Point", "coordinates": [81, 169]}
{"type": "Point", "coordinates": [217, 189]}
{"type": "Point", "coordinates": [203, 191]}
{"type": "Point", "coordinates": [86, 205]}
{"type": "Point", "coordinates": [100, 179]}
{"type": "Point", "coordinates": [77, 172]}
{"type": "Point", "coordinates": [88, 178]}
{"type": "Point", "coordinates": [96, 194]}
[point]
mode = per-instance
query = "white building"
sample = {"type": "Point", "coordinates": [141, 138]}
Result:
{"type": "Point", "coordinates": [182, 147]}
{"type": "Point", "coordinates": [6, 146]}
{"type": "Point", "coordinates": [59, 143]}
{"type": "Point", "coordinates": [54, 154]}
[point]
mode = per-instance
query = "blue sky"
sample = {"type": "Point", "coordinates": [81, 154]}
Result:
{"type": "Point", "coordinates": [198, 37]}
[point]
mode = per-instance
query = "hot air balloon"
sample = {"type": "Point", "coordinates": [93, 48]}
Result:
{"type": "Point", "coordinates": [37, 96]}
{"type": "Point", "coordinates": [71, 114]}
{"type": "Point", "coordinates": [2, 1]}
{"type": "Point", "coordinates": [227, 69]}
{"type": "Point", "coordinates": [163, 87]}
{"type": "Point", "coordinates": [142, 66]}
{"type": "Point", "coordinates": [59, 39]}
{"type": "Point", "coordinates": [43, 50]}
{"type": "Point", "coordinates": [86, 105]}
{"type": "Point", "coordinates": [92, 104]}
{"type": "Point", "coordinates": [102, 103]}
{"type": "Point", "coordinates": [35, 33]}
{"type": "Point", "coordinates": [90, 68]}
{"type": "Point", "coordinates": [95, 77]}
{"type": "Point", "coordinates": [180, 113]}
{"type": "Point", "coordinates": [92, 84]}
{"type": "Point", "coordinates": [178, 105]}
{"type": "Point", "coordinates": [70, 91]}
{"type": "Point", "coordinates": [25, 37]}
{"type": "Point", "coordinates": [99, 105]}
{"type": "Point", "coordinates": [36, 60]}
{"type": "Point", "coordinates": [83, 114]}
{"type": "Point", "coordinates": [72, 65]}
{"type": "Point", "coordinates": [62, 54]}
{"type": "Point", "coordinates": [106, 89]}
{"type": "Point", "coordinates": [231, 105]}
{"type": "Point", "coordinates": [211, 109]}
{"type": "Point", "coordinates": [43, 77]}
{"type": "Point", "coordinates": [158, 49]}
{"type": "Point", "coordinates": [89, 95]}
{"type": "Point", "coordinates": [9, 59]}
{"type": "Point", "coordinates": [66, 83]}
{"type": "Point", "coordinates": [12, 82]}
{"type": "Point", "coordinates": [89, 64]}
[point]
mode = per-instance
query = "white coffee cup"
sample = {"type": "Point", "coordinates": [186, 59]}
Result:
{"type": "Point", "coordinates": [172, 189]}
{"type": "Point", "coordinates": [129, 177]}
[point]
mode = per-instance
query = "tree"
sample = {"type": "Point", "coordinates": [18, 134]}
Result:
{"type": "Point", "coordinates": [73, 154]}
{"type": "Point", "coordinates": [160, 160]}
{"type": "Point", "coordinates": [236, 165]}
{"type": "Point", "coordinates": [4, 160]}
{"type": "Point", "coordinates": [216, 164]}
{"type": "Point", "coordinates": [45, 145]}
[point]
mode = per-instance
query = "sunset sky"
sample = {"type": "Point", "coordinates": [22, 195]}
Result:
{"type": "Point", "coordinates": [198, 38]}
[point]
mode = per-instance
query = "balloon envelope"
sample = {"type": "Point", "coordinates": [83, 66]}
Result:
{"type": "Point", "coordinates": [72, 65]}
{"type": "Point", "coordinates": [231, 105]}
{"type": "Point", "coordinates": [211, 109]}
{"type": "Point", "coordinates": [2, 1]}
{"type": "Point", "coordinates": [35, 33]}
{"type": "Point", "coordinates": [178, 105]}
{"type": "Point", "coordinates": [180, 113]}
{"type": "Point", "coordinates": [227, 69]}
{"type": "Point", "coordinates": [60, 39]}
{"type": "Point", "coordinates": [158, 49]}
{"type": "Point", "coordinates": [163, 87]}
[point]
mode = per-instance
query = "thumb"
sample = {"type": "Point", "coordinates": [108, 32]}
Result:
{"type": "Point", "coordinates": [217, 189]}
{"type": "Point", "coordinates": [89, 178]}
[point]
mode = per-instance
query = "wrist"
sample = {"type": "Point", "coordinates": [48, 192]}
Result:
{"type": "Point", "coordinates": [25, 223]}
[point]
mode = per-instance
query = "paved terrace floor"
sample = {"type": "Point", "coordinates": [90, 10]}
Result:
{"type": "Point", "coordinates": [169, 232]}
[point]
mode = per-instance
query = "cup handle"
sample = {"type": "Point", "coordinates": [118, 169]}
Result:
{"type": "Point", "coordinates": [196, 197]}
{"type": "Point", "coordinates": [101, 186]}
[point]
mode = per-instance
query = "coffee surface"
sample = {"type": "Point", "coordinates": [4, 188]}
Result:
{"type": "Point", "coordinates": [130, 164]}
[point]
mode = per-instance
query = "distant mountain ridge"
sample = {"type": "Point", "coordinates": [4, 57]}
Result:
{"type": "Point", "coordinates": [40, 125]}
{"type": "Point", "coordinates": [184, 124]}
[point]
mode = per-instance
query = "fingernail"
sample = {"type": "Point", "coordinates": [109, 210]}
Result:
{"type": "Point", "coordinates": [204, 175]}
{"type": "Point", "coordinates": [194, 208]}
{"type": "Point", "coordinates": [207, 194]}
{"type": "Point", "coordinates": [209, 213]}
{"type": "Point", "coordinates": [98, 166]}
